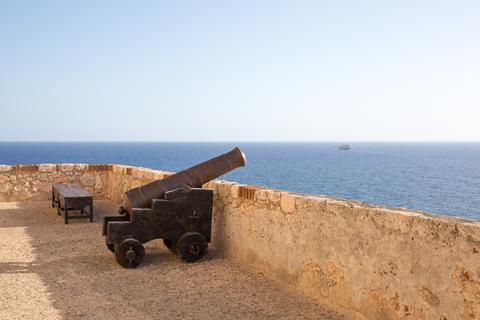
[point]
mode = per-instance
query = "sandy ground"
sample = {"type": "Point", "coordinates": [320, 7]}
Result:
{"type": "Point", "coordinates": [49, 270]}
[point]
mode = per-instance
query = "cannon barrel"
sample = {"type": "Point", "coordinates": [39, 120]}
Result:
{"type": "Point", "coordinates": [195, 177]}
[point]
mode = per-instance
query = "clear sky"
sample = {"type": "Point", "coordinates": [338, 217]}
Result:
{"type": "Point", "coordinates": [240, 70]}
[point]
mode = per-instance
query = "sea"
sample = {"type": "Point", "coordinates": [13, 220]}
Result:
{"type": "Point", "coordinates": [441, 178]}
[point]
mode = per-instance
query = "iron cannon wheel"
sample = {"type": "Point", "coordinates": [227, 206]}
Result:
{"type": "Point", "coordinates": [191, 246]}
{"type": "Point", "coordinates": [129, 253]}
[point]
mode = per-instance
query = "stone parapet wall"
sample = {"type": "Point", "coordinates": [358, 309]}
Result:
{"type": "Point", "coordinates": [382, 263]}
{"type": "Point", "coordinates": [32, 181]}
{"type": "Point", "coordinates": [123, 178]}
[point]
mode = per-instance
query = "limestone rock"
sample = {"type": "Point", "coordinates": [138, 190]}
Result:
{"type": "Point", "coordinates": [287, 202]}
{"type": "Point", "coordinates": [66, 167]}
{"type": "Point", "coordinates": [81, 166]}
{"type": "Point", "coordinates": [47, 167]}
{"type": "Point", "coordinates": [5, 188]}
{"type": "Point", "coordinates": [88, 179]}
{"type": "Point", "coordinates": [4, 167]}
{"type": "Point", "coordinates": [3, 178]}
{"type": "Point", "coordinates": [98, 182]}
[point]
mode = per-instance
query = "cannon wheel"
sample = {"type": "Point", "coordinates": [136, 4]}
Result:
{"type": "Point", "coordinates": [191, 246]}
{"type": "Point", "coordinates": [129, 253]}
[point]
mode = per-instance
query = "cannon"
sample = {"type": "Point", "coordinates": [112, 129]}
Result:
{"type": "Point", "coordinates": [176, 209]}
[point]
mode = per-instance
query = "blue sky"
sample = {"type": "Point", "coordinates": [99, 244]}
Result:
{"type": "Point", "coordinates": [242, 71]}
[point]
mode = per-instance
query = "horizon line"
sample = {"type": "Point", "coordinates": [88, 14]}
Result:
{"type": "Point", "coordinates": [239, 141]}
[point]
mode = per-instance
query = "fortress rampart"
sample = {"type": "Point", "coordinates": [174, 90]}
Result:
{"type": "Point", "coordinates": [381, 263]}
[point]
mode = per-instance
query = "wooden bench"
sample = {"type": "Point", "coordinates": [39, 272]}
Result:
{"type": "Point", "coordinates": [68, 197]}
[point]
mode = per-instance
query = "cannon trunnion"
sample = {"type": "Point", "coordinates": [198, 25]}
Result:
{"type": "Point", "coordinates": [175, 209]}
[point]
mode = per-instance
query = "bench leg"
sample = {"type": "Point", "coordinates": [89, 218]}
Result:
{"type": "Point", "coordinates": [65, 210]}
{"type": "Point", "coordinates": [91, 211]}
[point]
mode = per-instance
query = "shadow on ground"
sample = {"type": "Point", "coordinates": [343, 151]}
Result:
{"type": "Point", "coordinates": [49, 270]}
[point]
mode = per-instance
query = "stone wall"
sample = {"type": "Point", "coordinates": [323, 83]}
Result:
{"type": "Point", "coordinates": [382, 263]}
{"type": "Point", "coordinates": [32, 181]}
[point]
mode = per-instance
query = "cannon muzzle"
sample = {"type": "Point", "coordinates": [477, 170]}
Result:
{"type": "Point", "coordinates": [195, 177]}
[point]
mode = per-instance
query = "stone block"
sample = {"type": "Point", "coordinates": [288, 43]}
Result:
{"type": "Point", "coordinates": [45, 187]}
{"type": "Point", "coordinates": [4, 167]}
{"type": "Point", "coordinates": [287, 202]}
{"type": "Point", "coordinates": [223, 189]}
{"type": "Point", "coordinates": [104, 167]}
{"type": "Point", "coordinates": [88, 179]}
{"type": "Point", "coordinates": [248, 192]}
{"type": "Point", "coordinates": [5, 188]}
{"type": "Point", "coordinates": [149, 175]}
{"type": "Point", "coordinates": [3, 178]}
{"type": "Point", "coordinates": [98, 182]}
{"type": "Point", "coordinates": [138, 173]}
{"type": "Point", "coordinates": [65, 167]}
{"type": "Point", "coordinates": [209, 185]}
{"type": "Point", "coordinates": [260, 195]}
{"type": "Point", "coordinates": [235, 190]}
{"type": "Point", "coordinates": [47, 167]}
{"type": "Point", "coordinates": [116, 168]}
{"type": "Point", "coordinates": [273, 197]}
{"type": "Point", "coordinates": [26, 167]}
{"type": "Point", "coordinates": [81, 167]}
{"type": "Point", "coordinates": [157, 175]}
{"type": "Point", "coordinates": [311, 204]}
{"type": "Point", "coordinates": [267, 197]}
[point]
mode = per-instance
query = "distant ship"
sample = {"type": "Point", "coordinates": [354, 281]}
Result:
{"type": "Point", "coordinates": [345, 147]}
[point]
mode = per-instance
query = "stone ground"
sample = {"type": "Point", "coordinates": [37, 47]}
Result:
{"type": "Point", "coordinates": [49, 270]}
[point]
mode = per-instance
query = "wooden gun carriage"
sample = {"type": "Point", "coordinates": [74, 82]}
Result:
{"type": "Point", "coordinates": [175, 209]}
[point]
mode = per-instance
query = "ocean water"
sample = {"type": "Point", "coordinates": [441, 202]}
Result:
{"type": "Point", "coordinates": [442, 178]}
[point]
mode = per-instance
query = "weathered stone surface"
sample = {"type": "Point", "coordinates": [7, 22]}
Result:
{"type": "Point", "coordinates": [66, 167]}
{"type": "Point", "coordinates": [35, 181]}
{"type": "Point", "coordinates": [137, 173]}
{"type": "Point", "coordinates": [101, 167]}
{"type": "Point", "coordinates": [98, 182]}
{"type": "Point", "coordinates": [25, 167]}
{"type": "Point", "coordinates": [157, 175]}
{"type": "Point", "coordinates": [47, 167]}
{"type": "Point", "coordinates": [5, 188]}
{"type": "Point", "coordinates": [235, 190]}
{"type": "Point", "coordinates": [3, 178]}
{"type": "Point", "coordinates": [88, 179]}
{"type": "Point", "coordinates": [223, 189]}
{"type": "Point", "coordinates": [4, 167]}
{"type": "Point", "coordinates": [81, 167]}
{"type": "Point", "coordinates": [267, 198]}
{"type": "Point", "coordinates": [45, 187]}
{"type": "Point", "coordinates": [287, 202]}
